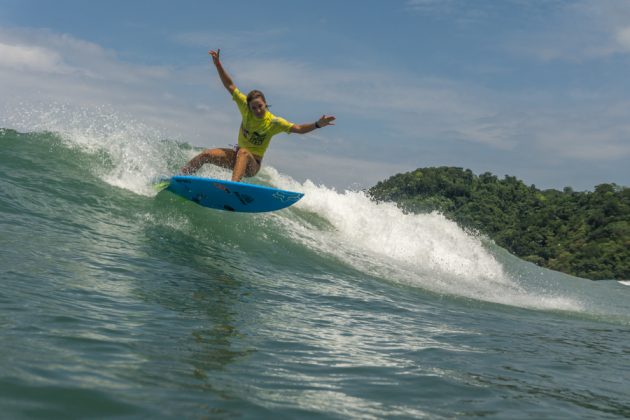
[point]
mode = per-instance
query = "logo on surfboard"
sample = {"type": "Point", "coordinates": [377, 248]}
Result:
{"type": "Point", "coordinates": [285, 198]}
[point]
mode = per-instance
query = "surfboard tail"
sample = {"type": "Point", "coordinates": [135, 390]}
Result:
{"type": "Point", "coordinates": [162, 184]}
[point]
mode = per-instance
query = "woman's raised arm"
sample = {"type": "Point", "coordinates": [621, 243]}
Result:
{"type": "Point", "coordinates": [225, 78]}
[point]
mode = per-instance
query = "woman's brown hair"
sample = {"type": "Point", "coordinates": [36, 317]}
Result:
{"type": "Point", "coordinates": [255, 94]}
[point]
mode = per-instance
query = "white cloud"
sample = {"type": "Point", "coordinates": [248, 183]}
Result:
{"type": "Point", "coordinates": [576, 30]}
{"type": "Point", "coordinates": [479, 11]}
{"type": "Point", "coordinates": [21, 57]}
{"type": "Point", "coordinates": [623, 38]}
{"type": "Point", "coordinates": [238, 43]}
{"type": "Point", "coordinates": [46, 71]}
{"type": "Point", "coordinates": [602, 137]}
{"type": "Point", "coordinates": [410, 105]}
{"type": "Point", "coordinates": [42, 50]}
{"type": "Point", "coordinates": [580, 31]}
{"type": "Point", "coordinates": [331, 169]}
{"type": "Point", "coordinates": [431, 6]}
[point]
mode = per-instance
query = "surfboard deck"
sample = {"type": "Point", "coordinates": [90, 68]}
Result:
{"type": "Point", "coordinates": [230, 196]}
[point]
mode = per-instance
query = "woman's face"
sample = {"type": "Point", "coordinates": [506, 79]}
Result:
{"type": "Point", "coordinates": [258, 107]}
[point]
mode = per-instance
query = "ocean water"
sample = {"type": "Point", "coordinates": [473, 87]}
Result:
{"type": "Point", "coordinates": [117, 301]}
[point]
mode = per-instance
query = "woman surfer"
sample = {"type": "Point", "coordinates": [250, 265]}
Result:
{"type": "Point", "coordinates": [257, 128]}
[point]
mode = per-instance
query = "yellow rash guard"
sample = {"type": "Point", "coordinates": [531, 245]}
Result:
{"type": "Point", "coordinates": [255, 133]}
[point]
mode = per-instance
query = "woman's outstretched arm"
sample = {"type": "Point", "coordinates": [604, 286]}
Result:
{"type": "Point", "coordinates": [307, 128]}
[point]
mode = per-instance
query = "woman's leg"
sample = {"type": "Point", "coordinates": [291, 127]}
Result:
{"type": "Point", "coordinates": [246, 165]}
{"type": "Point", "coordinates": [220, 157]}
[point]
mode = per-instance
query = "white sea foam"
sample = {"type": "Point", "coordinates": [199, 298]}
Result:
{"type": "Point", "coordinates": [132, 156]}
{"type": "Point", "coordinates": [425, 250]}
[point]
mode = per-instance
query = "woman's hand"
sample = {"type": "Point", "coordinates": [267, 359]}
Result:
{"type": "Point", "coordinates": [215, 56]}
{"type": "Point", "coordinates": [326, 120]}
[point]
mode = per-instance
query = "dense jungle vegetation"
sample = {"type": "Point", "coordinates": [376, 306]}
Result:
{"type": "Point", "coordinates": [586, 234]}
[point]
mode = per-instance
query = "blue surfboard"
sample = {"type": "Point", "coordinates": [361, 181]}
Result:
{"type": "Point", "coordinates": [231, 196]}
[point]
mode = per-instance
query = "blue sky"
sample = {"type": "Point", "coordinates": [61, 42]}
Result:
{"type": "Point", "coordinates": [535, 89]}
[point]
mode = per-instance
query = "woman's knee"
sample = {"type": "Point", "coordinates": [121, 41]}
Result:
{"type": "Point", "coordinates": [213, 153]}
{"type": "Point", "coordinates": [216, 156]}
